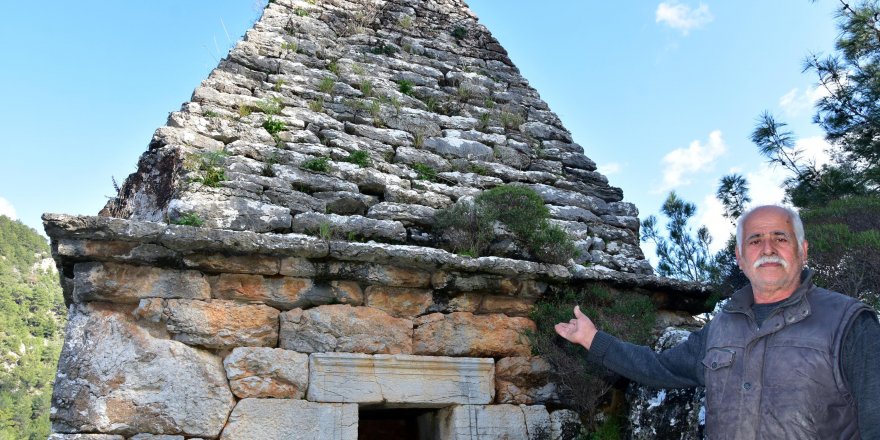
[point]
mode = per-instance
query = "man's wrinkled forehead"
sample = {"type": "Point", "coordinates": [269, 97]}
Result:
{"type": "Point", "coordinates": [775, 234]}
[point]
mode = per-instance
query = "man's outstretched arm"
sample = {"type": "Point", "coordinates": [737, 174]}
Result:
{"type": "Point", "coordinates": [678, 367]}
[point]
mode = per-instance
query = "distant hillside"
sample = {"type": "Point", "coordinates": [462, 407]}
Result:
{"type": "Point", "coordinates": [32, 317]}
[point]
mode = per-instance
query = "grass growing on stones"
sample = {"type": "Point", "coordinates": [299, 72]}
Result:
{"type": "Point", "coordinates": [326, 84]}
{"type": "Point", "coordinates": [469, 227]}
{"type": "Point", "coordinates": [189, 219]}
{"type": "Point", "coordinates": [270, 106]}
{"type": "Point", "coordinates": [630, 316]}
{"type": "Point", "coordinates": [405, 87]}
{"type": "Point", "coordinates": [319, 164]}
{"type": "Point", "coordinates": [424, 171]}
{"type": "Point", "coordinates": [359, 157]}
{"type": "Point", "coordinates": [274, 126]}
{"type": "Point", "coordinates": [210, 166]}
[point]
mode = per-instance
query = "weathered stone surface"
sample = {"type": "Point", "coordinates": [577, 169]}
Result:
{"type": "Point", "coordinates": [466, 334]}
{"type": "Point", "coordinates": [345, 328]}
{"type": "Point", "coordinates": [495, 422]}
{"type": "Point", "coordinates": [116, 378]}
{"type": "Point", "coordinates": [125, 283]}
{"type": "Point", "coordinates": [457, 147]}
{"type": "Point", "coordinates": [286, 419]}
{"type": "Point", "coordinates": [86, 437]}
{"type": "Point", "coordinates": [508, 305]}
{"type": "Point", "coordinates": [267, 372]}
{"type": "Point", "coordinates": [344, 226]}
{"type": "Point", "coordinates": [524, 380]}
{"type": "Point", "coordinates": [565, 424]}
{"type": "Point", "coordinates": [412, 381]}
{"type": "Point", "coordinates": [399, 301]}
{"type": "Point", "coordinates": [221, 324]}
{"type": "Point", "coordinates": [407, 214]}
{"type": "Point", "coordinates": [666, 414]}
{"type": "Point", "coordinates": [122, 251]}
{"type": "Point", "coordinates": [256, 264]}
{"type": "Point", "coordinates": [379, 274]}
{"type": "Point", "coordinates": [156, 437]}
{"type": "Point", "coordinates": [229, 212]}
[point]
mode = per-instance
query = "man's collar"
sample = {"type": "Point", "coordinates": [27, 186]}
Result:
{"type": "Point", "coordinates": [743, 299]}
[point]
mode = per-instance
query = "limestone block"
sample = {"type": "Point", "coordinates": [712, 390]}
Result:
{"type": "Point", "coordinates": [116, 378]}
{"type": "Point", "coordinates": [156, 437]}
{"type": "Point", "coordinates": [524, 380]}
{"type": "Point", "coordinates": [341, 327]}
{"type": "Point", "coordinates": [285, 419]}
{"type": "Point", "coordinates": [457, 147]}
{"type": "Point", "coordinates": [508, 305]}
{"type": "Point", "coordinates": [86, 437]}
{"type": "Point", "coordinates": [493, 422]}
{"type": "Point", "coordinates": [230, 212]}
{"type": "Point", "coordinates": [221, 324]}
{"type": "Point", "coordinates": [466, 334]}
{"type": "Point", "coordinates": [285, 293]}
{"type": "Point", "coordinates": [297, 267]}
{"type": "Point", "coordinates": [341, 226]}
{"type": "Point", "coordinates": [125, 283]}
{"type": "Point", "coordinates": [379, 274]}
{"type": "Point", "coordinates": [121, 251]}
{"type": "Point", "coordinates": [404, 213]}
{"type": "Point", "coordinates": [255, 264]}
{"type": "Point", "coordinates": [399, 301]}
{"type": "Point", "coordinates": [557, 196]}
{"type": "Point", "coordinates": [565, 424]}
{"type": "Point", "coordinates": [267, 372]}
{"type": "Point", "coordinates": [413, 381]}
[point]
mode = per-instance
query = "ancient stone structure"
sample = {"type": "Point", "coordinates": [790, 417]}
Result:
{"type": "Point", "coordinates": [309, 297]}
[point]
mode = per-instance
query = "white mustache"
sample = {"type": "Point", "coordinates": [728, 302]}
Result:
{"type": "Point", "coordinates": [770, 259]}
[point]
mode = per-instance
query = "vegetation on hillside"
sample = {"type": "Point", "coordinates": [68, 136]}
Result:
{"type": "Point", "coordinates": [32, 319]}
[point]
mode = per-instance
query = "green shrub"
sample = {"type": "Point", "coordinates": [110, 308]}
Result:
{"type": "Point", "coordinates": [326, 84]}
{"type": "Point", "coordinates": [459, 32]}
{"type": "Point", "coordinates": [425, 171]}
{"type": "Point", "coordinates": [210, 166]}
{"type": "Point", "coordinates": [320, 164]}
{"type": "Point", "coordinates": [359, 157]}
{"type": "Point", "coordinates": [274, 126]}
{"type": "Point", "coordinates": [521, 210]}
{"type": "Point", "coordinates": [189, 219]}
{"type": "Point", "coordinates": [405, 87]}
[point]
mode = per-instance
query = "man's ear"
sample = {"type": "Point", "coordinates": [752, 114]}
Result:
{"type": "Point", "coordinates": [804, 251]}
{"type": "Point", "coordinates": [738, 257]}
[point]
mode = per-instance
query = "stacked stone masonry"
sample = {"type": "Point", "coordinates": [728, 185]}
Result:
{"type": "Point", "coordinates": [409, 107]}
{"type": "Point", "coordinates": [316, 158]}
{"type": "Point", "coordinates": [203, 333]}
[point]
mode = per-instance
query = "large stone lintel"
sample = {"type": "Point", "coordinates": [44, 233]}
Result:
{"type": "Point", "coordinates": [509, 422]}
{"type": "Point", "coordinates": [400, 380]}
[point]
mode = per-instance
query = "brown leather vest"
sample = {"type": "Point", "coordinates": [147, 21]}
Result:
{"type": "Point", "coordinates": [782, 381]}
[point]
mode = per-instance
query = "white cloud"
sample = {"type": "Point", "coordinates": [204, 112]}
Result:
{"type": "Point", "coordinates": [695, 158]}
{"type": "Point", "coordinates": [608, 169]}
{"type": "Point", "coordinates": [795, 102]}
{"type": "Point", "coordinates": [765, 185]}
{"type": "Point", "coordinates": [814, 149]}
{"type": "Point", "coordinates": [7, 209]}
{"type": "Point", "coordinates": [682, 17]}
{"type": "Point", "coordinates": [713, 218]}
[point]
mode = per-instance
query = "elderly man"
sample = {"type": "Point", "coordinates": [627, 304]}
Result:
{"type": "Point", "coordinates": [784, 359]}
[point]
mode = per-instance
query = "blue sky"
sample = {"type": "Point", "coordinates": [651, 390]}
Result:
{"type": "Point", "coordinates": [663, 95]}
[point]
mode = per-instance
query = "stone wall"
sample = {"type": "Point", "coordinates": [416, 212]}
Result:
{"type": "Point", "coordinates": [203, 333]}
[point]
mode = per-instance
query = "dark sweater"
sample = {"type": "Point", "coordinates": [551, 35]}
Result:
{"type": "Point", "coordinates": [681, 366]}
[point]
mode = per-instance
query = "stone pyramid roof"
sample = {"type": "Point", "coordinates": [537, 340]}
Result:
{"type": "Point", "coordinates": [365, 118]}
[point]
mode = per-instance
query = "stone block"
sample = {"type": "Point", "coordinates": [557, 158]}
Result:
{"type": "Point", "coordinates": [286, 419]}
{"type": "Point", "coordinates": [565, 424]}
{"type": "Point", "coordinates": [125, 283]}
{"type": "Point", "coordinates": [286, 293]}
{"type": "Point", "coordinates": [86, 437]}
{"type": "Point", "coordinates": [493, 422]}
{"type": "Point", "coordinates": [406, 380]}
{"type": "Point", "coordinates": [156, 437]}
{"type": "Point", "coordinates": [267, 372]}
{"type": "Point", "coordinates": [341, 327]}
{"type": "Point", "coordinates": [466, 334]}
{"type": "Point", "coordinates": [508, 305]}
{"type": "Point", "coordinates": [379, 274]}
{"type": "Point", "coordinates": [399, 301]}
{"type": "Point", "coordinates": [221, 324]}
{"type": "Point", "coordinates": [297, 267]}
{"type": "Point", "coordinates": [116, 378]}
{"type": "Point", "coordinates": [524, 380]}
{"type": "Point", "coordinates": [254, 264]}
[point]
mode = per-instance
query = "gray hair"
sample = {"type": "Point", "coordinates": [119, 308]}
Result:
{"type": "Point", "coordinates": [793, 216]}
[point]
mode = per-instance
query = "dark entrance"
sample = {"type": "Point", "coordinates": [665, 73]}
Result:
{"type": "Point", "coordinates": [394, 424]}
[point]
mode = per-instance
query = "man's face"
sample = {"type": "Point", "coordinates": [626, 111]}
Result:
{"type": "Point", "coordinates": [769, 255]}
